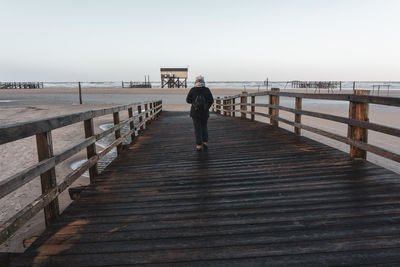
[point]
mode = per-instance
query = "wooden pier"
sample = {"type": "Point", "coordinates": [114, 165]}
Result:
{"type": "Point", "coordinates": [317, 85]}
{"type": "Point", "coordinates": [261, 195]}
{"type": "Point", "coordinates": [145, 84]}
{"type": "Point", "coordinates": [21, 85]}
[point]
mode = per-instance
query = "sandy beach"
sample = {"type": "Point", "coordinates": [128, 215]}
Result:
{"type": "Point", "coordinates": [27, 105]}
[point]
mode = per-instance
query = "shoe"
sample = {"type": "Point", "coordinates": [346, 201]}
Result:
{"type": "Point", "coordinates": [205, 147]}
{"type": "Point", "coordinates": [198, 148]}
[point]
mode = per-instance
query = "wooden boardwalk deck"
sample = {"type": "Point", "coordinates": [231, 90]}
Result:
{"type": "Point", "coordinates": [260, 196]}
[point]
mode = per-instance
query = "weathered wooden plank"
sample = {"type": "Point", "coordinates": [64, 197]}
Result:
{"type": "Point", "coordinates": [117, 132]}
{"type": "Point", "coordinates": [273, 112]}
{"type": "Point", "coordinates": [91, 149]}
{"type": "Point", "coordinates": [48, 180]}
{"type": "Point", "coordinates": [297, 117]}
{"type": "Point", "coordinates": [284, 199]}
{"type": "Point", "coordinates": [221, 253]}
{"type": "Point", "coordinates": [358, 111]}
{"type": "Point", "coordinates": [380, 100]}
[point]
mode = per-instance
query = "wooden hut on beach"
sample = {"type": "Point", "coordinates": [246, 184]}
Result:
{"type": "Point", "coordinates": [174, 77]}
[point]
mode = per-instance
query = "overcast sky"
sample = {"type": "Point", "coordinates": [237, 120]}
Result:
{"type": "Point", "coordinates": [98, 40]}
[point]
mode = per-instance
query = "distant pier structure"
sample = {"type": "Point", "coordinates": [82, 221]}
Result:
{"type": "Point", "coordinates": [174, 77]}
{"type": "Point", "coordinates": [314, 84]}
{"type": "Point", "coordinates": [329, 85]}
{"type": "Point", "coordinates": [21, 85]}
{"type": "Point", "coordinates": [145, 84]}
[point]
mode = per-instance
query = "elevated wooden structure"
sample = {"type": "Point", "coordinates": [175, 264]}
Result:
{"type": "Point", "coordinates": [145, 84]}
{"type": "Point", "coordinates": [317, 85]}
{"type": "Point", "coordinates": [174, 77]}
{"type": "Point", "coordinates": [261, 196]}
{"type": "Point", "coordinates": [21, 85]}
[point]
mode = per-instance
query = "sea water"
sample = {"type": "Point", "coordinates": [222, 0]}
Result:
{"type": "Point", "coordinates": [367, 85]}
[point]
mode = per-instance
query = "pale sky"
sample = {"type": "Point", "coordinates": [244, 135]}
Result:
{"type": "Point", "coordinates": [99, 40]}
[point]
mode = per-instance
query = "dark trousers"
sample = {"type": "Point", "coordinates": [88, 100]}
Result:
{"type": "Point", "coordinates": [200, 130]}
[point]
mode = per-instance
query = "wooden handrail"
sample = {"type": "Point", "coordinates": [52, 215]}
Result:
{"type": "Point", "coordinates": [16, 131]}
{"type": "Point", "coordinates": [51, 192]}
{"type": "Point", "coordinates": [380, 100]}
{"type": "Point", "coordinates": [358, 122]}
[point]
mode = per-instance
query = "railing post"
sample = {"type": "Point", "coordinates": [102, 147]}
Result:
{"type": "Point", "coordinates": [48, 180]}
{"type": "Point", "coordinates": [117, 132]}
{"type": "Point", "coordinates": [233, 107]}
{"type": "Point", "coordinates": [224, 107]}
{"type": "Point", "coordinates": [243, 106]}
{"type": "Point", "coordinates": [218, 105]}
{"type": "Point", "coordinates": [139, 110]}
{"type": "Point", "coordinates": [253, 108]}
{"type": "Point", "coordinates": [146, 115]}
{"type": "Point", "coordinates": [229, 107]}
{"type": "Point", "coordinates": [91, 149]}
{"type": "Point", "coordinates": [131, 124]}
{"type": "Point", "coordinates": [358, 111]}
{"type": "Point", "coordinates": [274, 100]}
{"type": "Point", "coordinates": [151, 110]}
{"type": "Point", "coordinates": [297, 117]}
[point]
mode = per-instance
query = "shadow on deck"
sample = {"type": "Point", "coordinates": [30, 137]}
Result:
{"type": "Point", "coordinates": [260, 196]}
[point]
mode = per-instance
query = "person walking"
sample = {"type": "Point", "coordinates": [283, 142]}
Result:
{"type": "Point", "coordinates": [201, 99]}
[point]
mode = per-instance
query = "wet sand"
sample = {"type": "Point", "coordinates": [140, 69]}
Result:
{"type": "Point", "coordinates": [26, 105]}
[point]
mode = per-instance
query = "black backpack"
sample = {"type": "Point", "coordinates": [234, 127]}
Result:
{"type": "Point", "coordinates": [200, 103]}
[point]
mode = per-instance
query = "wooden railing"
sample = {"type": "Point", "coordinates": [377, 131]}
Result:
{"type": "Point", "coordinates": [358, 120]}
{"type": "Point", "coordinates": [48, 161]}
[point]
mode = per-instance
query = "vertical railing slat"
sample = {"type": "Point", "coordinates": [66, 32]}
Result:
{"type": "Point", "coordinates": [297, 117]}
{"type": "Point", "coordinates": [48, 180]}
{"type": "Point", "coordinates": [91, 149]}
{"type": "Point", "coordinates": [117, 132]}
{"type": "Point", "coordinates": [253, 108]}
{"type": "Point", "coordinates": [358, 111]}
{"type": "Point", "coordinates": [243, 106]}
{"type": "Point", "coordinates": [274, 100]}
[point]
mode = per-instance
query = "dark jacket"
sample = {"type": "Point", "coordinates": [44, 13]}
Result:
{"type": "Point", "coordinates": [206, 93]}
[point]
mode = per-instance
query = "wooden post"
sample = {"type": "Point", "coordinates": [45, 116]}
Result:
{"type": "Point", "coordinates": [274, 100]}
{"type": "Point", "coordinates": [218, 105]}
{"type": "Point", "coordinates": [340, 85]}
{"type": "Point", "coordinates": [80, 93]}
{"type": "Point", "coordinates": [117, 132]}
{"type": "Point", "coordinates": [122, 84]}
{"type": "Point", "coordinates": [243, 106]}
{"type": "Point", "coordinates": [358, 111]}
{"type": "Point", "coordinates": [297, 117]}
{"type": "Point", "coordinates": [131, 125]}
{"type": "Point", "coordinates": [229, 107]}
{"type": "Point", "coordinates": [151, 110]}
{"type": "Point", "coordinates": [224, 107]}
{"type": "Point", "coordinates": [48, 180]}
{"type": "Point", "coordinates": [146, 109]}
{"type": "Point", "coordinates": [139, 110]}
{"type": "Point", "coordinates": [233, 107]}
{"type": "Point", "coordinates": [354, 86]}
{"type": "Point", "coordinates": [253, 108]}
{"type": "Point", "coordinates": [91, 149]}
